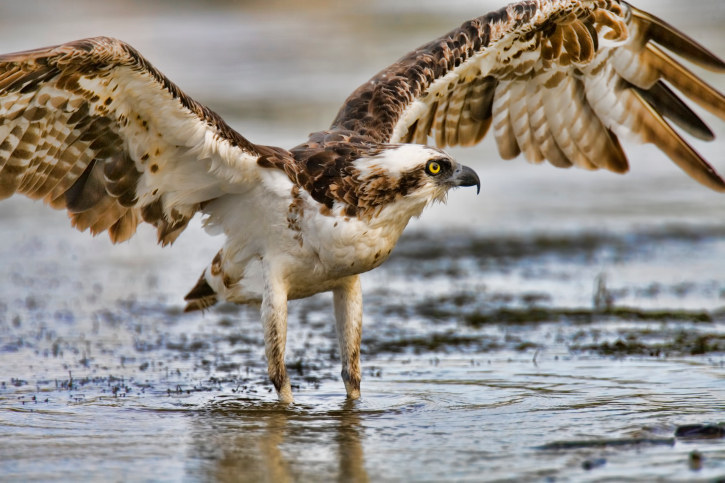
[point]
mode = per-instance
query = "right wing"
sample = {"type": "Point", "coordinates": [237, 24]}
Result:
{"type": "Point", "coordinates": [559, 80]}
{"type": "Point", "coordinates": [92, 127]}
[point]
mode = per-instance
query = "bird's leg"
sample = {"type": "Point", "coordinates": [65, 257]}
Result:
{"type": "Point", "coordinates": [348, 318]}
{"type": "Point", "coordinates": [274, 318]}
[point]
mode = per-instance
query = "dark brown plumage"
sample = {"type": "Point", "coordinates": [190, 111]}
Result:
{"type": "Point", "coordinates": [77, 154]}
{"type": "Point", "coordinates": [559, 56]}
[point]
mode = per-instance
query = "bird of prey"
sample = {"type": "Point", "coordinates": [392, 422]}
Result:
{"type": "Point", "coordinates": [92, 127]}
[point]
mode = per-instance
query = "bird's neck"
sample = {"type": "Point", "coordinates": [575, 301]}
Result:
{"type": "Point", "coordinates": [397, 214]}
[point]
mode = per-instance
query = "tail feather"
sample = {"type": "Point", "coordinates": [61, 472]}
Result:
{"type": "Point", "coordinates": [201, 297]}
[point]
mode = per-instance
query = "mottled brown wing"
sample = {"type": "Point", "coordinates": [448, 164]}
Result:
{"type": "Point", "coordinates": [559, 80]}
{"type": "Point", "coordinates": [92, 127]}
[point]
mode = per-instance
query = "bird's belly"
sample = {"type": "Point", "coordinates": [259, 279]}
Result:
{"type": "Point", "coordinates": [310, 269]}
{"type": "Point", "coordinates": [305, 270]}
{"type": "Point", "coordinates": [313, 255]}
{"type": "Point", "coordinates": [339, 246]}
{"type": "Point", "coordinates": [343, 257]}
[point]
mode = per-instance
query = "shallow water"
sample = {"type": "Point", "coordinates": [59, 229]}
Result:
{"type": "Point", "coordinates": [562, 325]}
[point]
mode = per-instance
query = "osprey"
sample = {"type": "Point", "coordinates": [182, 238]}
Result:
{"type": "Point", "coordinates": [91, 126]}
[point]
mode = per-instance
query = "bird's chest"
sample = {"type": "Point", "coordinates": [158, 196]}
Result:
{"type": "Point", "coordinates": [342, 246]}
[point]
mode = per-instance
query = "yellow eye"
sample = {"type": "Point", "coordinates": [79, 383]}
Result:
{"type": "Point", "coordinates": [433, 167]}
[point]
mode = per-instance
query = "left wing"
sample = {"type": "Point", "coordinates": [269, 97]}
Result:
{"type": "Point", "coordinates": [93, 127]}
{"type": "Point", "coordinates": [559, 80]}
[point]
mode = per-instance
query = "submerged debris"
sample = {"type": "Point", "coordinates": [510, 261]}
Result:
{"type": "Point", "coordinates": [700, 431]}
{"type": "Point", "coordinates": [600, 443]}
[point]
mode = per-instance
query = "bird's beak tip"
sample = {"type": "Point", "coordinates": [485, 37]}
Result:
{"type": "Point", "coordinates": [468, 177]}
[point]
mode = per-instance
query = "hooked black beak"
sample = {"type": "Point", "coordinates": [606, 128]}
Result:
{"type": "Point", "coordinates": [465, 176]}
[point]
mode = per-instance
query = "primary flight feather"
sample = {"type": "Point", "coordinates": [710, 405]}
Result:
{"type": "Point", "coordinates": [91, 126]}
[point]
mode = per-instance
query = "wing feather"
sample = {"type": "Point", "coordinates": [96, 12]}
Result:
{"type": "Point", "coordinates": [561, 80]}
{"type": "Point", "coordinates": [541, 126]}
{"type": "Point", "coordinates": [518, 107]}
{"type": "Point", "coordinates": [672, 107]}
{"type": "Point", "coordinates": [441, 116]}
{"type": "Point", "coordinates": [480, 109]}
{"type": "Point", "coordinates": [654, 129]}
{"type": "Point", "coordinates": [671, 38]}
{"type": "Point", "coordinates": [569, 120]}
{"type": "Point", "coordinates": [424, 125]}
{"type": "Point", "coordinates": [92, 127]}
{"type": "Point", "coordinates": [684, 80]}
{"type": "Point", "coordinates": [454, 113]}
{"type": "Point", "coordinates": [503, 129]}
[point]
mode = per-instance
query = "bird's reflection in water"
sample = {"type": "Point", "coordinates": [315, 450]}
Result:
{"type": "Point", "coordinates": [349, 446]}
{"type": "Point", "coordinates": [245, 440]}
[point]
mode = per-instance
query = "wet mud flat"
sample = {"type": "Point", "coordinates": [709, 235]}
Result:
{"type": "Point", "coordinates": [549, 356]}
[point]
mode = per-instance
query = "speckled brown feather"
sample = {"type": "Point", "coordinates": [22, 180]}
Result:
{"type": "Point", "coordinates": [376, 107]}
{"type": "Point", "coordinates": [65, 136]}
{"type": "Point", "coordinates": [324, 167]}
{"type": "Point", "coordinates": [536, 72]}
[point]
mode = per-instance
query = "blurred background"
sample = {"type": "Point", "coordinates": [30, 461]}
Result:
{"type": "Point", "coordinates": [557, 305]}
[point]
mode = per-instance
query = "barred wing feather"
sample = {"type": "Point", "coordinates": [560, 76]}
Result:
{"type": "Point", "coordinates": [92, 127]}
{"type": "Point", "coordinates": [559, 80]}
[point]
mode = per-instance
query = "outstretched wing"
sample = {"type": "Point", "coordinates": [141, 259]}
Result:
{"type": "Point", "coordinates": [559, 80]}
{"type": "Point", "coordinates": [92, 127]}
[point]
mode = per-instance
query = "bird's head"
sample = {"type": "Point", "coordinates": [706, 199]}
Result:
{"type": "Point", "coordinates": [412, 174]}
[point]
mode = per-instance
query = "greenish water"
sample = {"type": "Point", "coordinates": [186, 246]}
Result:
{"type": "Point", "coordinates": [560, 326]}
